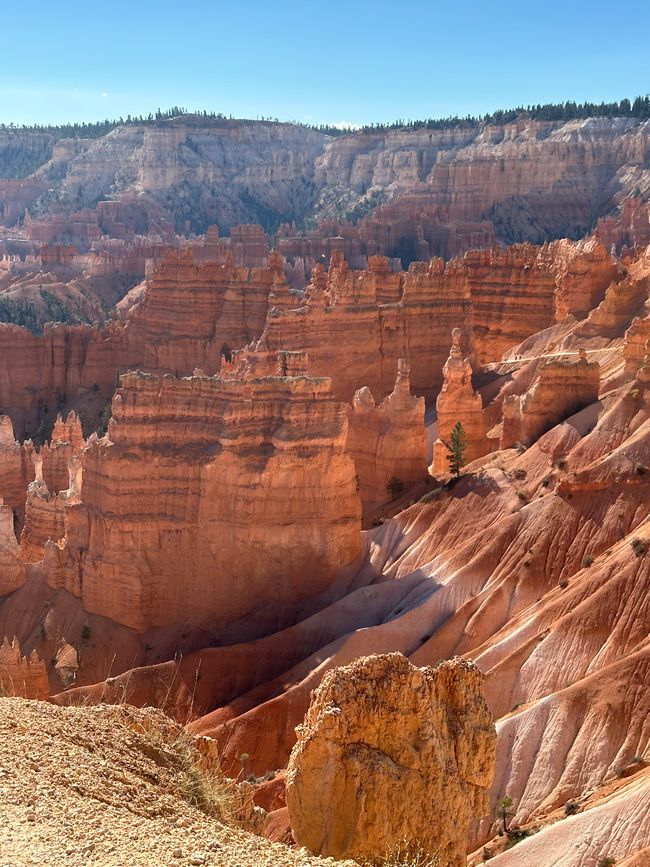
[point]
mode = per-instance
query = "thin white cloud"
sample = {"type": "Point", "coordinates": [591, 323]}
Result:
{"type": "Point", "coordinates": [104, 94]}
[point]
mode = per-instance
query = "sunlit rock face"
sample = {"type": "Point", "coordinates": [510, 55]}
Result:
{"type": "Point", "coordinates": [212, 503]}
{"type": "Point", "coordinates": [388, 754]}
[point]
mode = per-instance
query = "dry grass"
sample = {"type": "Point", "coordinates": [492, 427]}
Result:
{"type": "Point", "coordinates": [406, 853]}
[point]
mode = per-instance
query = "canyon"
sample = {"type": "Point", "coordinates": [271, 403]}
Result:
{"type": "Point", "coordinates": [225, 480]}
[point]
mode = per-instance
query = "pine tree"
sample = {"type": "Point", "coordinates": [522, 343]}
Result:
{"type": "Point", "coordinates": [504, 810]}
{"type": "Point", "coordinates": [456, 449]}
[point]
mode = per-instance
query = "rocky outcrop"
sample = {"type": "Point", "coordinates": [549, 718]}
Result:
{"type": "Point", "coordinates": [66, 440]}
{"type": "Point", "coordinates": [224, 504]}
{"type": "Point", "coordinates": [16, 470]}
{"type": "Point", "coordinates": [621, 302]}
{"type": "Point", "coordinates": [563, 387]}
{"type": "Point", "coordinates": [390, 753]}
{"type": "Point", "coordinates": [458, 402]}
{"type": "Point", "coordinates": [636, 338]}
{"type": "Point", "coordinates": [24, 676]}
{"type": "Point", "coordinates": [583, 271]}
{"type": "Point", "coordinates": [387, 441]}
{"type": "Point", "coordinates": [12, 570]}
{"type": "Point", "coordinates": [44, 517]}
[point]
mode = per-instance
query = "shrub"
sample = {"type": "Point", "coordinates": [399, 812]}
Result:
{"type": "Point", "coordinates": [516, 835]}
{"type": "Point", "coordinates": [521, 448]}
{"type": "Point", "coordinates": [431, 495]}
{"type": "Point", "coordinates": [408, 853]}
{"type": "Point", "coordinates": [639, 546]}
{"type": "Point", "coordinates": [395, 487]}
{"type": "Point", "coordinates": [563, 583]}
{"type": "Point", "coordinates": [504, 809]}
{"type": "Point", "coordinates": [519, 474]}
{"type": "Point", "coordinates": [606, 862]}
{"type": "Point", "coordinates": [85, 632]}
{"type": "Point", "coordinates": [587, 560]}
{"type": "Point", "coordinates": [640, 470]}
{"type": "Point", "coordinates": [560, 463]}
{"type": "Point", "coordinates": [523, 496]}
{"type": "Point", "coordinates": [571, 807]}
{"type": "Point", "coordinates": [546, 481]}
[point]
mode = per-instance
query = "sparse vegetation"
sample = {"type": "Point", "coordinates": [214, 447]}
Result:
{"type": "Point", "coordinates": [519, 474]}
{"type": "Point", "coordinates": [606, 862]}
{"type": "Point", "coordinates": [395, 487]}
{"type": "Point", "coordinates": [571, 807]}
{"type": "Point", "coordinates": [407, 853]}
{"type": "Point", "coordinates": [639, 546]}
{"type": "Point", "coordinates": [546, 481]}
{"type": "Point", "coordinates": [86, 632]}
{"type": "Point", "coordinates": [504, 810]}
{"type": "Point", "coordinates": [560, 463]}
{"type": "Point", "coordinates": [523, 496]}
{"type": "Point", "coordinates": [435, 494]}
{"type": "Point", "coordinates": [516, 835]}
{"type": "Point", "coordinates": [587, 560]}
{"type": "Point", "coordinates": [104, 418]}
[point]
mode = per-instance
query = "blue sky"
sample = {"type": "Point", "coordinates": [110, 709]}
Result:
{"type": "Point", "coordinates": [335, 62]}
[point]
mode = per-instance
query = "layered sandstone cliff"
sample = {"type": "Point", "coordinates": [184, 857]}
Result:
{"type": "Point", "coordinates": [392, 754]}
{"type": "Point", "coordinates": [225, 504]}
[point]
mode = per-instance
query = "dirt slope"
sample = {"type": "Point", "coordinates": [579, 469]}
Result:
{"type": "Point", "coordinates": [110, 785]}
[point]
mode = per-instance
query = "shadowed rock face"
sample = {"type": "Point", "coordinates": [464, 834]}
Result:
{"type": "Point", "coordinates": [389, 753]}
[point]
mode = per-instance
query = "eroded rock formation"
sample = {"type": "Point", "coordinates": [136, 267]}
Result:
{"type": "Point", "coordinates": [211, 500]}
{"type": "Point", "coordinates": [563, 387]}
{"type": "Point", "coordinates": [458, 402]}
{"type": "Point", "coordinates": [24, 676]}
{"type": "Point", "coordinates": [387, 441]}
{"type": "Point", "coordinates": [389, 753]}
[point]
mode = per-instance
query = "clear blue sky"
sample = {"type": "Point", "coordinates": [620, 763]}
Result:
{"type": "Point", "coordinates": [330, 62]}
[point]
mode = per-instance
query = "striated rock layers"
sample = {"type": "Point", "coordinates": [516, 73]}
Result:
{"type": "Point", "coordinates": [190, 314]}
{"type": "Point", "coordinates": [211, 501]}
{"type": "Point", "coordinates": [355, 325]}
{"type": "Point", "coordinates": [387, 441]}
{"type": "Point", "coordinates": [389, 753]}
{"type": "Point", "coordinates": [458, 402]}
{"type": "Point", "coordinates": [563, 387]}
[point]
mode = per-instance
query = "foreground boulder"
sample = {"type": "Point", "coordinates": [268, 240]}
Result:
{"type": "Point", "coordinates": [392, 754]}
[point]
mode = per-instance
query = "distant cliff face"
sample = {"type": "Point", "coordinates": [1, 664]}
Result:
{"type": "Point", "coordinates": [203, 173]}
{"type": "Point", "coordinates": [440, 191]}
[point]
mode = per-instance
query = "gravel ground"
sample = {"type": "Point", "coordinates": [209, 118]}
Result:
{"type": "Point", "coordinates": [104, 785]}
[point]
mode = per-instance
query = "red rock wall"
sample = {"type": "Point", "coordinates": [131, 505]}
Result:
{"type": "Point", "coordinates": [213, 502]}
